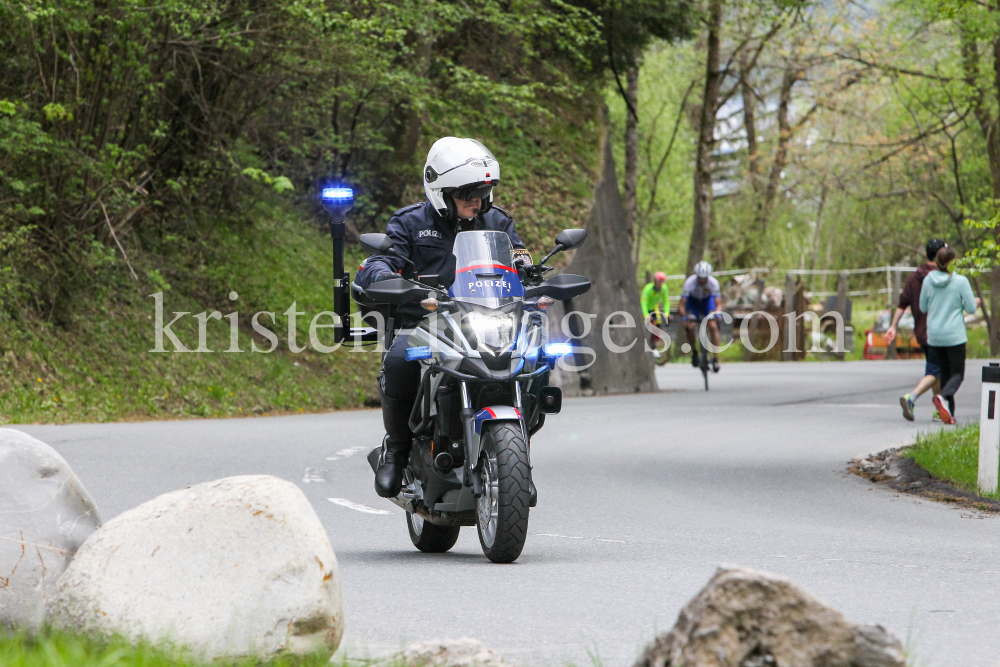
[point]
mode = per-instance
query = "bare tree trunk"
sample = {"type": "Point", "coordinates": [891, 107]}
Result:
{"type": "Point", "coordinates": [631, 151]}
{"type": "Point", "coordinates": [818, 232]}
{"type": "Point", "coordinates": [706, 140]}
{"type": "Point", "coordinates": [987, 125]}
{"type": "Point", "coordinates": [750, 124]}
{"type": "Point", "coordinates": [765, 204]}
{"type": "Point", "coordinates": [406, 135]}
{"type": "Point", "coordinates": [747, 255]}
{"type": "Point", "coordinates": [993, 149]}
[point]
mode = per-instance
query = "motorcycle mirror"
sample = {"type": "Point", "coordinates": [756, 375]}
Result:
{"type": "Point", "coordinates": [570, 238]}
{"type": "Point", "coordinates": [376, 244]}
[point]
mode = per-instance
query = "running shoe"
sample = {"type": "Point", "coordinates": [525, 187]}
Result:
{"type": "Point", "coordinates": [656, 354]}
{"type": "Point", "coordinates": [715, 365]}
{"type": "Point", "coordinates": [906, 402]}
{"type": "Point", "coordinates": [694, 359]}
{"type": "Point", "coordinates": [943, 411]}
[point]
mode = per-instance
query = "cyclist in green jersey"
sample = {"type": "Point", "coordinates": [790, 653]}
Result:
{"type": "Point", "coordinates": [656, 299]}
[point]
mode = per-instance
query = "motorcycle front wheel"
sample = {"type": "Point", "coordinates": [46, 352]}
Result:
{"type": "Point", "coordinates": [430, 538]}
{"type": "Point", "coordinates": [502, 510]}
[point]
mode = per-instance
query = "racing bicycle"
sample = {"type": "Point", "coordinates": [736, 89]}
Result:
{"type": "Point", "coordinates": [661, 344]}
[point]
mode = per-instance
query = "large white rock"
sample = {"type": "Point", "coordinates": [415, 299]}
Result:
{"type": "Point", "coordinates": [45, 515]}
{"type": "Point", "coordinates": [238, 566]}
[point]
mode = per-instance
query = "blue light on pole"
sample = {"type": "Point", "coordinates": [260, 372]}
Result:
{"type": "Point", "coordinates": [338, 194]}
{"type": "Point", "coordinates": [338, 201]}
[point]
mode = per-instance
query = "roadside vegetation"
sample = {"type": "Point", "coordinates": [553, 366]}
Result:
{"type": "Point", "coordinates": [51, 648]}
{"type": "Point", "coordinates": [179, 149]}
{"type": "Point", "coordinates": [951, 454]}
{"type": "Point", "coordinates": [99, 365]}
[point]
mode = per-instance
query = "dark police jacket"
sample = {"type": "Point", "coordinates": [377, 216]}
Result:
{"type": "Point", "coordinates": [426, 239]}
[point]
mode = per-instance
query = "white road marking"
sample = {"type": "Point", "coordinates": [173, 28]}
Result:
{"type": "Point", "coordinates": [588, 539]}
{"type": "Point", "coordinates": [854, 405]}
{"type": "Point", "coordinates": [314, 475]}
{"type": "Point", "coordinates": [344, 453]}
{"type": "Point", "coordinates": [343, 502]}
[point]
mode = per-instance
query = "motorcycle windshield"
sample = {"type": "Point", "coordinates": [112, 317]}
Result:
{"type": "Point", "coordinates": [484, 271]}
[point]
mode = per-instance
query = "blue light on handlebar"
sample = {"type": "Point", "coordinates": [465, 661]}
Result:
{"type": "Point", "coordinates": [558, 349]}
{"type": "Point", "coordinates": [337, 193]}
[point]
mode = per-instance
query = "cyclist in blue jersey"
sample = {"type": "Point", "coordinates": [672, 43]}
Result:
{"type": "Point", "coordinates": [699, 300]}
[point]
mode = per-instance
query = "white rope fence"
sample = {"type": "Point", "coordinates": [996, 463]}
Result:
{"type": "Point", "coordinates": [762, 270]}
{"type": "Point", "coordinates": [758, 270]}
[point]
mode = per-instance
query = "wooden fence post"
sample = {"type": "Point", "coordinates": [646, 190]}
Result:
{"type": "Point", "coordinates": [754, 319]}
{"type": "Point", "coordinates": [842, 306]}
{"type": "Point", "coordinates": [789, 342]}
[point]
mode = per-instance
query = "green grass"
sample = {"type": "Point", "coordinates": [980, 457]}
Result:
{"type": "Point", "coordinates": [99, 367]}
{"type": "Point", "coordinates": [58, 649]}
{"type": "Point", "coordinates": [951, 454]}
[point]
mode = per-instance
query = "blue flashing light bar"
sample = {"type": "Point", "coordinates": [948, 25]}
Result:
{"type": "Point", "coordinates": [558, 349]}
{"type": "Point", "coordinates": [337, 194]}
{"type": "Point", "coordinates": [416, 353]}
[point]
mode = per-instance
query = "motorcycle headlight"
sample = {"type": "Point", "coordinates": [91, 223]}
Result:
{"type": "Point", "coordinates": [496, 330]}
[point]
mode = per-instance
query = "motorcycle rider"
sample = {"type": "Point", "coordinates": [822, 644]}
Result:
{"type": "Point", "coordinates": [459, 177]}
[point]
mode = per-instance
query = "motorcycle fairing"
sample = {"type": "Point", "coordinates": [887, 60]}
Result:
{"type": "Point", "coordinates": [484, 269]}
{"type": "Point", "coordinates": [487, 281]}
{"type": "Point", "coordinates": [496, 413]}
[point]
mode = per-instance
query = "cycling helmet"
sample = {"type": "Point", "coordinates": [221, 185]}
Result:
{"type": "Point", "coordinates": [703, 269]}
{"type": "Point", "coordinates": [459, 167]}
{"type": "Point", "coordinates": [933, 246]}
{"type": "Point", "coordinates": [661, 276]}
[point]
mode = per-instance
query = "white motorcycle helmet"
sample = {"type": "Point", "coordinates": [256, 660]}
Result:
{"type": "Point", "coordinates": [703, 269]}
{"type": "Point", "coordinates": [459, 166]}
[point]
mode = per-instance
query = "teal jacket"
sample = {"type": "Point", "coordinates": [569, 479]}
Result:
{"type": "Point", "coordinates": [943, 297]}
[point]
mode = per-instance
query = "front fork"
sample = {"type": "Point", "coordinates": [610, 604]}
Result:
{"type": "Point", "coordinates": [473, 469]}
{"type": "Point", "coordinates": [469, 422]}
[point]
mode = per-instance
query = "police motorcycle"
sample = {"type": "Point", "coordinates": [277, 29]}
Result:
{"type": "Point", "coordinates": [485, 362]}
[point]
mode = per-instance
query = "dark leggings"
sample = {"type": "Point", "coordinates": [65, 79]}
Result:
{"type": "Point", "coordinates": [952, 363]}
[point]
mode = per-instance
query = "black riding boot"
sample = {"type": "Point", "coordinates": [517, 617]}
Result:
{"type": "Point", "coordinates": [397, 443]}
{"type": "Point", "coordinates": [389, 477]}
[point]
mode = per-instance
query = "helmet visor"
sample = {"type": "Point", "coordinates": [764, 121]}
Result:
{"type": "Point", "coordinates": [474, 191]}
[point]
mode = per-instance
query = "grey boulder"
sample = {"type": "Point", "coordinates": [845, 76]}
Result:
{"type": "Point", "coordinates": [236, 567]}
{"type": "Point", "coordinates": [45, 515]}
{"type": "Point", "coordinates": [748, 618]}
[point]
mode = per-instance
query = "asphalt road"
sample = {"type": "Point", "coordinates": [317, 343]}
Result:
{"type": "Point", "coordinates": [640, 498]}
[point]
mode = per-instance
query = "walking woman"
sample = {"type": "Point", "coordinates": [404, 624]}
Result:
{"type": "Point", "coordinates": [944, 297]}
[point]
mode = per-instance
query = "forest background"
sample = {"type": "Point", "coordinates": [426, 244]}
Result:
{"type": "Point", "coordinates": [180, 146]}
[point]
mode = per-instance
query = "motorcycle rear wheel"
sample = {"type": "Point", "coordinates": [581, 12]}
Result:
{"type": "Point", "coordinates": [428, 537]}
{"type": "Point", "coordinates": [502, 510]}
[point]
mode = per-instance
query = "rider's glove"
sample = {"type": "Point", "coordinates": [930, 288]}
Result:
{"type": "Point", "coordinates": [519, 264]}
{"type": "Point", "coordinates": [385, 275]}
